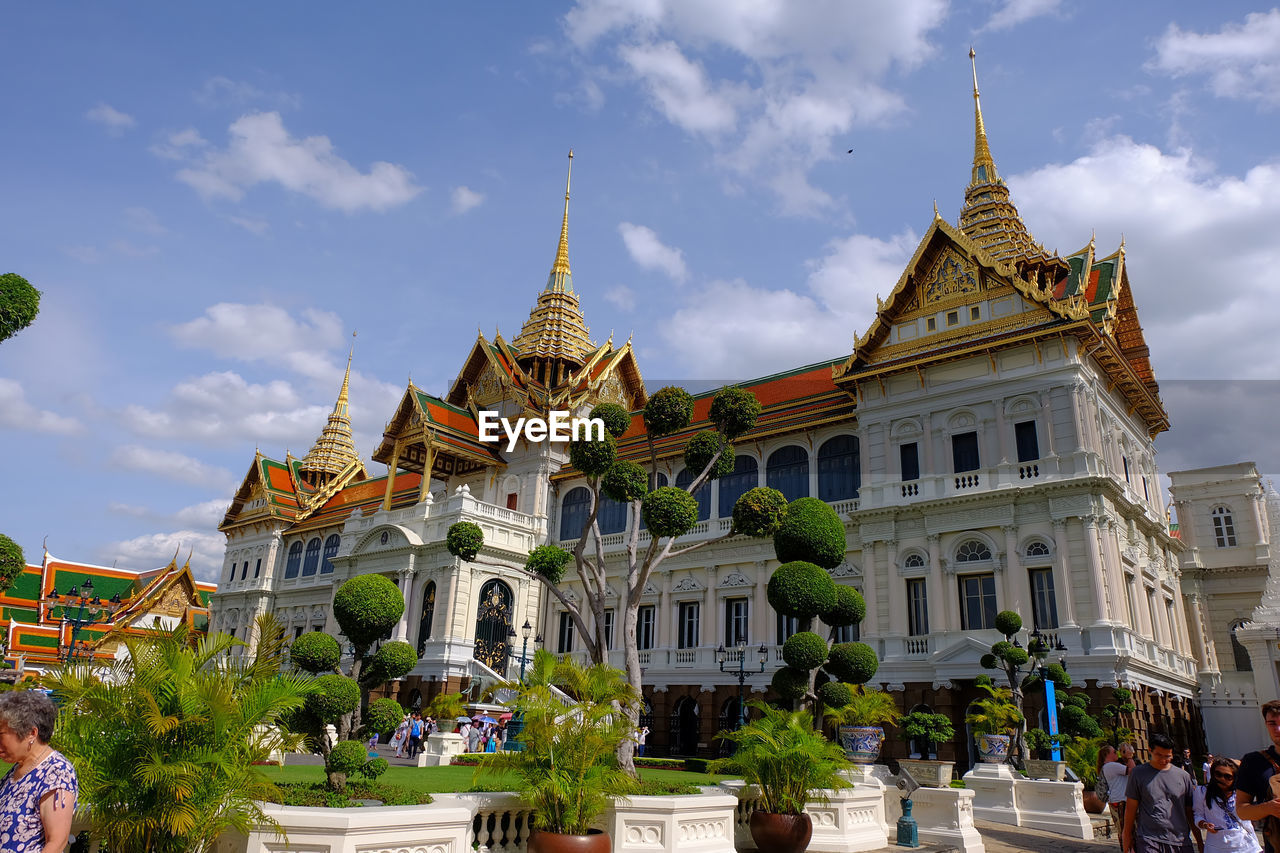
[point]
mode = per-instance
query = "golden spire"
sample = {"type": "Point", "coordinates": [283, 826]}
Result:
{"type": "Point", "coordinates": [335, 449]}
{"type": "Point", "coordinates": [984, 167]}
{"type": "Point", "coordinates": [561, 279]}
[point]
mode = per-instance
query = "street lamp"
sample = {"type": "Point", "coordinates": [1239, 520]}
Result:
{"type": "Point", "coordinates": [525, 630]}
{"type": "Point", "coordinates": [91, 610]}
{"type": "Point", "coordinates": [1039, 647]}
{"type": "Point", "coordinates": [740, 673]}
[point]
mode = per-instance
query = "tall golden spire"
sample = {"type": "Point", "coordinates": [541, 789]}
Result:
{"type": "Point", "coordinates": [984, 167]}
{"type": "Point", "coordinates": [335, 449]}
{"type": "Point", "coordinates": [561, 279]}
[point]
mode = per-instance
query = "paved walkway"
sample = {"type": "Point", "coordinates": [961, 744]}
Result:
{"type": "Point", "coordinates": [999, 838]}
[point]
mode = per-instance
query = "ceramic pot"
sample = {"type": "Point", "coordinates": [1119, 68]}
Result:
{"type": "Point", "coordinates": [781, 833]}
{"type": "Point", "coordinates": [993, 749]}
{"type": "Point", "coordinates": [861, 743]}
{"type": "Point", "coordinates": [554, 842]}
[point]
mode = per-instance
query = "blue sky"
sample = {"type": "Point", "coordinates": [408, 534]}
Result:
{"type": "Point", "coordinates": [212, 198]}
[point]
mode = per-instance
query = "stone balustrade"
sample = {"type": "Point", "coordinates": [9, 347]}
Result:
{"type": "Point", "coordinates": [1003, 796]}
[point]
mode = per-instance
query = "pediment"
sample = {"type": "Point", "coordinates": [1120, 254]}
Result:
{"type": "Point", "coordinates": [387, 537]}
{"type": "Point", "coordinates": [967, 650]}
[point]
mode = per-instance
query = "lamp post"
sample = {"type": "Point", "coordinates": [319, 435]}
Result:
{"type": "Point", "coordinates": [740, 673]}
{"type": "Point", "coordinates": [525, 631]}
{"type": "Point", "coordinates": [1039, 647]}
{"type": "Point", "coordinates": [90, 610]}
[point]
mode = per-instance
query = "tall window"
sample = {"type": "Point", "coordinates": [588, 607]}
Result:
{"type": "Point", "coordinates": [312, 561]}
{"type": "Point", "coordinates": [735, 622]}
{"type": "Point", "coordinates": [1044, 604]}
{"type": "Point", "coordinates": [977, 602]}
{"type": "Point", "coordinates": [294, 562]}
{"type": "Point", "coordinates": [1028, 443]}
{"type": "Point", "coordinates": [839, 468]}
{"type": "Point", "coordinates": [428, 616]}
{"type": "Point", "coordinates": [564, 643]}
{"type": "Point", "coordinates": [964, 452]}
{"type": "Point", "coordinates": [1125, 460]}
{"type": "Point", "coordinates": [1224, 529]}
{"type": "Point", "coordinates": [1239, 652]}
{"type": "Point", "coordinates": [702, 495]}
{"type": "Point", "coordinates": [608, 628]}
{"type": "Point", "coordinates": [646, 626]}
{"type": "Point", "coordinates": [909, 454]}
{"type": "Point", "coordinates": [232, 576]}
{"type": "Point", "coordinates": [847, 633]}
{"type": "Point", "coordinates": [788, 471]}
{"type": "Point", "coordinates": [745, 476]}
{"type": "Point", "coordinates": [688, 634]}
{"type": "Point", "coordinates": [257, 567]}
{"type": "Point", "coordinates": [330, 551]}
{"type": "Point", "coordinates": [787, 626]}
{"type": "Point", "coordinates": [612, 517]}
{"type": "Point", "coordinates": [574, 512]}
{"type": "Point", "coordinates": [917, 607]}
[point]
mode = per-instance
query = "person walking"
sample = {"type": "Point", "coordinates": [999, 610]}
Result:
{"type": "Point", "coordinates": [465, 731]}
{"type": "Point", "coordinates": [38, 794]}
{"type": "Point", "coordinates": [1257, 781]}
{"type": "Point", "coordinates": [1158, 804]}
{"type": "Point", "coordinates": [401, 737]}
{"type": "Point", "coordinates": [1215, 812]}
{"type": "Point", "coordinates": [415, 735]}
{"type": "Point", "coordinates": [641, 736]}
{"type": "Point", "coordinates": [1115, 776]}
{"type": "Point", "coordinates": [473, 736]}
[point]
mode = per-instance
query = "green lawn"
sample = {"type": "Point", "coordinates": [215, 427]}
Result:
{"type": "Point", "coordinates": [440, 780]}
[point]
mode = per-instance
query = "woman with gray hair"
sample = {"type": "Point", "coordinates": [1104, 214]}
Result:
{"type": "Point", "coordinates": [38, 794]}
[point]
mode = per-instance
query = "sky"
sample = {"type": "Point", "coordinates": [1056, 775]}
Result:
{"type": "Point", "coordinates": [213, 197]}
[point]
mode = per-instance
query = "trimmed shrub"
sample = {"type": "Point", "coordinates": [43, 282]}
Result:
{"type": "Point", "coordinates": [668, 410]}
{"type": "Point", "coordinates": [988, 661]}
{"type": "Point", "coordinates": [804, 650]}
{"type": "Point", "coordinates": [367, 607]}
{"type": "Point", "coordinates": [1016, 656]}
{"type": "Point", "coordinates": [811, 531]}
{"type": "Point", "coordinates": [332, 697]}
{"type": "Point", "coordinates": [625, 482]}
{"type": "Point", "coordinates": [382, 716]}
{"type": "Point", "coordinates": [850, 609]}
{"type": "Point", "coordinates": [617, 420]}
{"type": "Point", "coordinates": [548, 561]}
{"type": "Point", "coordinates": [593, 458]}
{"type": "Point", "coordinates": [734, 411]}
{"type": "Point", "coordinates": [12, 561]}
{"type": "Point", "coordinates": [393, 659]}
{"type": "Point", "coordinates": [695, 765]}
{"type": "Point", "coordinates": [464, 540]}
{"type": "Point", "coordinates": [983, 680]}
{"type": "Point", "coordinates": [1001, 648]}
{"type": "Point", "coordinates": [833, 694]}
{"type": "Point", "coordinates": [700, 449]}
{"type": "Point", "coordinates": [853, 663]}
{"type": "Point", "coordinates": [315, 652]}
{"type": "Point", "coordinates": [669, 511]}
{"type": "Point", "coordinates": [347, 756]}
{"type": "Point", "coordinates": [19, 304]}
{"type": "Point", "coordinates": [790, 683]}
{"type": "Point", "coordinates": [374, 767]}
{"type": "Point", "coordinates": [801, 589]}
{"type": "Point", "coordinates": [759, 512]}
{"type": "Point", "coordinates": [1008, 622]}
{"type": "Point", "coordinates": [1058, 675]}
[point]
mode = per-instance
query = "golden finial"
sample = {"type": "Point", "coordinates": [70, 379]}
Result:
{"type": "Point", "coordinates": [984, 167]}
{"type": "Point", "coordinates": [935, 209]}
{"type": "Point", "coordinates": [561, 279]}
{"type": "Point", "coordinates": [1122, 242]}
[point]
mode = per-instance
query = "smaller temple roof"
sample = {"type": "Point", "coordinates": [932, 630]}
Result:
{"type": "Point", "coordinates": [335, 450]}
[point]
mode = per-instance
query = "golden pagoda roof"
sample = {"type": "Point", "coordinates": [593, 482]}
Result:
{"type": "Point", "coordinates": [335, 449]}
{"type": "Point", "coordinates": [556, 328]}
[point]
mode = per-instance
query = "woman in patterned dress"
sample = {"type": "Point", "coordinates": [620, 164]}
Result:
{"type": "Point", "coordinates": [38, 794]}
{"type": "Point", "coordinates": [1215, 812]}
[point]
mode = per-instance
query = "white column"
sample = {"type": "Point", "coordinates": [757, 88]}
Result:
{"type": "Point", "coordinates": [406, 591]}
{"type": "Point", "coordinates": [712, 617]}
{"type": "Point", "coordinates": [871, 625]}
{"type": "Point", "coordinates": [1259, 520]}
{"type": "Point", "coordinates": [760, 606]}
{"type": "Point", "coordinates": [1017, 595]}
{"type": "Point", "coordinates": [1062, 580]}
{"type": "Point", "coordinates": [666, 618]}
{"type": "Point", "coordinates": [897, 592]}
{"type": "Point", "coordinates": [1096, 569]}
{"type": "Point", "coordinates": [1046, 409]}
{"type": "Point", "coordinates": [1002, 432]}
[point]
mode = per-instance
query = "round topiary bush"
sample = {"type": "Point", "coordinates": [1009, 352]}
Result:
{"type": "Point", "coordinates": [19, 304]}
{"type": "Point", "coordinates": [759, 512]}
{"type": "Point", "coordinates": [804, 650]}
{"type": "Point", "coordinates": [988, 661]}
{"type": "Point", "coordinates": [617, 420]}
{"type": "Point", "coordinates": [850, 609]}
{"type": "Point", "coordinates": [801, 589]}
{"type": "Point", "coordinates": [790, 683]}
{"type": "Point", "coordinates": [1001, 648]}
{"type": "Point", "coordinates": [1008, 622]}
{"type": "Point", "coordinates": [853, 663]}
{"type": "Point", "coordinates": [669, 511]}
{"type": "Point", "coordinates": [1016, 656]}
{"type": "Point", "coordinates": [625, 482]}
{"type": "Point", "coordinates": [347, 756]}
{"type": "Point", "coordinates": [374, 767]}
{"type": "Point", "coordinates": [382, 716]}
{"type": "Point", "coordinates": [315, 652]}
{"type": "Point", "coordinates": [734, 411]}
{"type": "Point", "coordinates": [1058, 675]}
{"type": "Point", "coordinates": [593, 457]}
{"type": "Point", "coordinates": [833, 694]}
{"type": "Point", "coordinates": [703, 446]}
{"type": "Point", "coordinates": [983, 680]}
{"type": "Point", "coordinates": [367, 607]}
{"type": "Point", "coordinates": [332, 697]}
{"type": "Point", "coordinates": [464, 540]}
{"type": "Point", "coordinates": [668, 410]}
{"type": "Point", "coordinates": [393, 659]}
{"type": "Point", "coordinates": [548, 561]}
{"type": "Point", "coordinates": [811, 531]}
{"type": "Point", "coordinates": [12, 560]}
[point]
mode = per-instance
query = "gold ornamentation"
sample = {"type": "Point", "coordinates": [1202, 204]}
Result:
{"type": "Point", "coordinates": [950, 277]}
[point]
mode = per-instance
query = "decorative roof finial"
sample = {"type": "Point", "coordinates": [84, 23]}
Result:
{"type": "Point", "coordinates": [561, 279]}
{"type": "Point", "coordinates": [984, 167]}
{"type": "Point", "coordinates": [935, 208]}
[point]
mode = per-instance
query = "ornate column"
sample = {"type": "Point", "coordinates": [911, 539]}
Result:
{"type": "Point", "coordinates": [1111, 556]}
{"type": "Point", "coordinates": [760, 604]}
{"type": "Point", "coordinates": [1016, 585]}
{"type": "Point", "coordinates": [871, 625]}
{"type": "Point", "coordinates": [1002, 429]}
{"type": "Point", "coordinates": [406, 590]}
{"type": "Point", "coordinates": [666, 619]}
{"type": "Point", "coordinates": [864, 458]}
{"type": "Point", "coordinates": [391, 476]}
{"type": "Point", "coordinates": [1062, 580]}
{"type": "Point", "coordinates": [1046, 408]}
{"type": "Point", "coordinates": [1097, 585]}
{"type": "Point", "coordinates": [897, 591]}
{"type": "Point", "coordinates": [1259, 520]}
{"type": "Point", "coordinates": [1198, 633]}
{"type": "Point", "coordinates": [712, 617]}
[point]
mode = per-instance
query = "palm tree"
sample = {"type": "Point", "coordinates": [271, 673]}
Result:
{"type": "Point", "coordinates": [165, 740]}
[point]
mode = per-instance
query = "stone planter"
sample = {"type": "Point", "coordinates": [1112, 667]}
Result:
{"type": "Point", "coordinates": [861, 743]}
{"type": "Point", "coordinates": [1053, 771]}
{"type": "Point", "coordinates": [930, 774]}
{"type": "Point", "coordinates": [993, 749]}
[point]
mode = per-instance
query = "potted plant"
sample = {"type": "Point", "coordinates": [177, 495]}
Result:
{"type": "Point", "coordinates": [567, 768]}
{"type": "Point", "coordinates": [1044, 766]}
{"type": "Point", "coordinates": [928, 729]}
{"type": "Point", "coordinates": [860, 723]}
{"type": "Point", "coordinates": [994, 719]}
{"type": "Point", "coordinates": [782, 755]}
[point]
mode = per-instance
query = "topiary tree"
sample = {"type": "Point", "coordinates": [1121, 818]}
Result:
{"type": "Point", "coordinates": [19, 304]}
{"type": "Point", "coordinates": [12, 562]}
{"type": "Point", "coordinates": [1113, 713]}
{"type": "Point", "coordinates": [315, 652]}
{"type": "Point", "coordinates": [382, 716]}
{"type": "Point", "coordinates": [366, 608]}
{"type": "Point", "coordinates": [1020, 668]}
{"type": "Point", "coordinates": [346, 757]}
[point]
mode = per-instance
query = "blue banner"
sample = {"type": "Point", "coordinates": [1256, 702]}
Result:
{"type": "Point", "coordinates": [1052, 703]}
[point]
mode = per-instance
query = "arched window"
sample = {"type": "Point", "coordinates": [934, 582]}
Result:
{"type": "Point", "coordinates": [330, 551]}
{"type": "Point", "coordinates": [788, 471]}
{"type": "Point", "coordinates": [574, 512]}
{"type": "Point", "coordinates": [745, 476]}
{"type": "Point", "coordinates": [1037, 549]}
{"type": "Point", "coordinates": [312, 562]}
{"type": "Point", "coordinates": [493, 625]}
{"type": "Point", "coordinates": [428, 616]}
{"type": "Point", "coordinates": [612, 517]}
{"type": "Point", "coordinates": [913, 561]}
{"type": "Point", "coordinates": [1224, 529]}
{"type": "Point", "coordinates": [295, 561]}
{"type": "Point", "coordinates": [839, 469]}
{"type": "Point", "coordinates": [1241, 654]}
{"type": "Point", "coordinates": [702, 495]}
{"type": "Point", "coordinates": [972, 551]}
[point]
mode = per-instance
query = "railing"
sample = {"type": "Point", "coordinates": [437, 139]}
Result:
{"type": "Point", "coordinates": [967, 481]}
{"type": "Point", "coordinates": [910, 490]}
{"type": "Point", "coordinates": [502, 823]}
{"type": "Point", "coordinates": [917, 647]}
{"type": "Point", "coordinates": [1028, 472]}
{"type": "Point", "coordinates": [646, 657]}
{"type": "Point", "coordinates": [686, 657]}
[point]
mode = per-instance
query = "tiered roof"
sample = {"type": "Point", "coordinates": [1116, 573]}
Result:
{"type": "Point", "coordinates": [335, 450]}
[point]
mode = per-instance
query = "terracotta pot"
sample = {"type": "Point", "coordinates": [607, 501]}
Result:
{"type": "Point", "coordinates": [1092, 804]}
{"type": "Point", "coordinates": [781, 833]}
{"type": "Point", "coordinates": [554, 842]}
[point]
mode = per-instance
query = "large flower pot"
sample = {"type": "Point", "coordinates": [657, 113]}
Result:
{"type": "Point", "coordinates": [781, 833]}
{"type": "Point", "coordinates": [1054, 771]}
{"type": "Point", "coordinates": [554, 842]}
{"type": "Point", "coordinates": [861, 743]}
{"type": "Point", "coordinates": [929, 774]}
{"type": "Point", "coordinates": [993, 749]}
{"type": "Point", "coordinates": [1092, 804]}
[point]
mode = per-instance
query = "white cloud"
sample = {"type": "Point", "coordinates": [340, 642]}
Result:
{"type": "Point", "coordinates": [680, 88]}
{"type": "Point", "coordinates": [1241, 60]}
{"type": "Point", "coordinates": [112, 119]}
{"type": "Point", "coordinates": [144, 221]}
{"type": "Point", "coordinates": [651, 253]}
{"type": "Point", "coordinates": [16, 413]}
{"type": "Point", "coordinates": [267, 333]}
{"type": "Point", "coordinates": [179, 145]}
{"type": "Point", "coordinates": [261, 150]}
{"type": "Point", "coordinates": [621, 296]}
{"type": "Point", "coordinates": [1014, 12]}
{"type": "Point", "coordinates": [465, 198]}
{"type": "Point", "coordinates": [206, 514]}
{"type": "Point", "coordinates": [172, 465]}
{"type": "Point", "coordinates": [206, 547]}
{"type": "Point", "coordinates": [257, 227]}
{"type": "Point", "coordinates": [223, 91]}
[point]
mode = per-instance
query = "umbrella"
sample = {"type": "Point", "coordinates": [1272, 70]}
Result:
{"type": "Point", "coordinates": [462, 719]}
{"type": "Point", "coordinates": [487, 719]}
{"type": "Point", "coordinates": [506, 716]}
